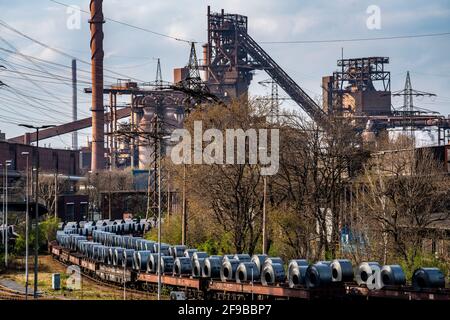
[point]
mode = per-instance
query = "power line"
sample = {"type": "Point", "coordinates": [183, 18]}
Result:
{"type": "Point", "coordinates": [127, 24]}
{"type": "Point", "coordinates": [359, 39]}
{"type": "Point", "coordinates": [7, 26]}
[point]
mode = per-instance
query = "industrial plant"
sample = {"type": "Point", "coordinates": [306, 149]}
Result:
{"type": "Point", "coordinates": [356, 210]}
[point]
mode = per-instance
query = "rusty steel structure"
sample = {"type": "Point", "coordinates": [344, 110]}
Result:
{"type": "Point", "coordinates": [98, 119]}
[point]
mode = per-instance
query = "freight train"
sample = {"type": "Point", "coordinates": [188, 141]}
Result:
{"type": "Point", "coordinates": [109, 252]}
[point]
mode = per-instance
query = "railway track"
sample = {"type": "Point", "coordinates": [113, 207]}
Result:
{"type": "Point", "coordinates": [10, 294]}
{"type": "Point", "coordinates": [108, 284]}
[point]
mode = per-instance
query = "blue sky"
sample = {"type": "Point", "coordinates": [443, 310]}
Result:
{"type": "Point", "coordinates": [132, 52]}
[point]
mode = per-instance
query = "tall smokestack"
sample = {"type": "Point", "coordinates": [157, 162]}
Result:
{"type": "Point", "coordinates": [98, 120]}
{"type": "Point", "coordinates": [74, 103]}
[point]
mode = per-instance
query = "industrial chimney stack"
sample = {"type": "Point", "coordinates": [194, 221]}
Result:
{"type": "Point", "coordinates": [98, 120]}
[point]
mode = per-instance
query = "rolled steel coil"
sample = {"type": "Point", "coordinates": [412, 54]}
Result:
{"type": "Point", "coordinates": [199, 255]}
{"type": "Point", "coordinates": [247, 271]}
{"type": "Point", "coordinates": [227, 257]}
{"type": "Point", "coordinates": [126, 242]}
{"type": "Point", "coordinates": [127, 258]}
{"type": "Point", "coordinates": [341, 270]}
{"type": "Point", "coordinates": [272, 260]}
{"type": "Point", "coordinates": [189, 252]}
{"type": "Point", "coordinates": [392, 275]}
{"type": "Point", "coordinates": [197, 267]}
{"type": "Point", "coordinates": [318, 275]}
{"type": "Point", "coordinates": [167, 264]}
{"type": "Point", "coordinates": [182, 266]}
{"type": "Point", "coordinates": [295, 263]}
{"type": "Point", "coordinates": [134, 243]}
{"type": "Point", "coordinates": [297, 275]}
{"type": "Point", "coordinates": [141, 260]}
{"type": "Point", "coordinates": [243, 257]}
{"type": "Point", "coordinates": [272, 273]}
{"type": "Point", "coordinates": [118, 256]}
{"type": "Point", "coordinates": [164, 248]}
{"type": "Point", "coordinates": [148, 245]}
{"type": "Point", "coordinates": [177, 251]}
{"type": "Point", "coordinates": [212, 267]}
{"type": "Point", "coordinates": [259, 259]}
{"type": "Point", "coordinates": [228, 269]}
{"type": "Point", "coordinates": [365, 270]}
{"type": "Point", "coordinates": [428, 278]}
{"type": "Point", "coordinates": [152, 263]}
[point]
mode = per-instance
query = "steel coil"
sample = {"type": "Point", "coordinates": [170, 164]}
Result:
{"type": "Point", "coordinates": [272, 273]}
{"type": "Point", "coordinates": [152, 263]}
{"type": "Point", "coordinates": [197, 267]}
{"type": "Point", "coordinates": [297, 275]}
{"type": "Point", "coordinates": [247, 271]}
{"type": "Point", "coordinates": [259, 259]}
{"type": "Point", "coordinates": [318, 275]}
{"type": "Point", "coordinates": [199, 255]}
{"type": "Point", "coordinates": [141, 259]}
{"type": "Point", "coordinates": [212, 267]}
{"type": "Point", "coordinates": [341, 270]}
{"type": "Point", "coordinates": [227, 257]}
{"type": "Point", "coordinates": [182, 266]}
{"type": "Point", "coordinates": [118, 256]}
{"type": "Point", "coordinates": [164, 248]}
{"type": "Point", "coordinates": [228, 269]}
{"type": "Point", "coordinates": [189, 252]}
{"type": "Point", "coordinates": [392, 275]}
{"type": "Point", "coordinates": [243, 257]}
{"type": "Point", "coordinates": [127, 258]}
{"type": "Point", "coordinates": [428, 278]}
{"type": "Point", "coordinates": [167, 263]}
{"type": "Point", "coordinates": [147, 245]}
{"type": "Point", "coordinates": [365, 270]}
{"type": "Point", "coordinates": [272, 260]}
{"type": "Point", "coordinates": [295, 263]}
{"type": "Point", "coordinates": [177, 251]}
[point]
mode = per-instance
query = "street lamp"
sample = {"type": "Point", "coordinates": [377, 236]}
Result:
{"type": "Point", "coordinates": [7, 164]}
{"type": "Point", "coordinates": [26, 224]}
{"type": "Point", "coordinates": [36, 240]}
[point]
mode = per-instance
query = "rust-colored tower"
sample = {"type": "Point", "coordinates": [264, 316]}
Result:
{"type": "Point", "coordinates": [98, 117]}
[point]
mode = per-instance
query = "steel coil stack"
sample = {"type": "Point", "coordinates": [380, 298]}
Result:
{"type": "Point", "coordinates": [247, 272]}
{"type": "Point", "coordinates": [182, 266]}
{"type": "Point", "coordinates": [148, 245]}
{"type": "Point", "coordinates": [164, 248]}
{"type": "Point", "coordinates": [212, 266]}
{"type": "Point", "coordinates": [297, 272]}
{"type": "Point", "coordinates": [428, 278]}
{"type": "Point", "coordinates": [392, 275]}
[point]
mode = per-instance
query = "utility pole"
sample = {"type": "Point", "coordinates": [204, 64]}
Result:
{"type": "Point", "coordinates": [27, 212]}
{"type": "Point", "coordinates": [74, 103]}
{"type": "Point", "coordinates": [264, 240]}
{"type": "Point", "coordinates": [36, 194]}
{"type": "Point", "coordinates": [7, 164]}
{"type": "Point", "coordinates": [159, 218]}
